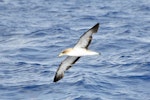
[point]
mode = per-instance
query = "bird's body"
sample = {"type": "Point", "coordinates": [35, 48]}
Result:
{"type": "Point", "coordinates": [79, 52]}
{"type": "Point", "coordinates": [80, 49]}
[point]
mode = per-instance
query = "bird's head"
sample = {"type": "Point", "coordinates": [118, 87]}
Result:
{"type": "Point", "coordinates": [65, 52]}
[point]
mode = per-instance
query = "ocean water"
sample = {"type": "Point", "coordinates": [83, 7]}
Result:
{"type": "Point", "coordinates": [34, 32]}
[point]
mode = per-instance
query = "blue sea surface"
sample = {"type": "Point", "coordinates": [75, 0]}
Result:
{"type": "Point", "coordinates": [34, 32]}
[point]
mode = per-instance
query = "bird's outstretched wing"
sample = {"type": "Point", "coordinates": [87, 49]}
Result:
{"type": "Point", "coordinates": [65, 65]}
{"type": "Point", "coordinates": [86, 38]}
{"type": "Point", "coordinates": [83, 42]}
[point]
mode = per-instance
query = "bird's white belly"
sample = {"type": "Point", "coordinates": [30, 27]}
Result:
{"type": "Point", "coordinates": [81, 52]}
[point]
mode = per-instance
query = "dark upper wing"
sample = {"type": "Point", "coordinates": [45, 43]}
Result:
{"type": "Point", "coordinates": [86, 38]}
{"type": "Point", "coordinates": [65, 65]}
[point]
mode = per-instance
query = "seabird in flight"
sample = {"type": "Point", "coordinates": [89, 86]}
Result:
{"type": "Point", "coordinates": [80, 49]}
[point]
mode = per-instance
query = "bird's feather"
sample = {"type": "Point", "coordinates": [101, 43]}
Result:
{"type": "Point", "coordinates": [65, 65]}
{"type": "Point", "coordinates": [86, 38]}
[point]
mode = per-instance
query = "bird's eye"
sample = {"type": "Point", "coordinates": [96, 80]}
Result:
{"type": "Point", "coordinates": [64, 52]}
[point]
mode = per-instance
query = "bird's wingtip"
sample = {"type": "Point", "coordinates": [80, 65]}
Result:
{"type": "Point", "coordinates": [97, 24]}
{"type": "Point", "coordinates": [58, 77]}
{"type": "Point", "coordinates": [95, 28]}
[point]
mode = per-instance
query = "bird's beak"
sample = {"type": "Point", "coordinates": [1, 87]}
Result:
{"type": "Point", "coordinates": [60, 55]}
